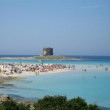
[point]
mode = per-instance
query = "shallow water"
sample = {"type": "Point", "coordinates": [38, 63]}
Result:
{"type": "Point", "coordinates": [94, 86]}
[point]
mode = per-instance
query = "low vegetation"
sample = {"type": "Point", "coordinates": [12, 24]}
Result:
{"type": "Point", "coordinates": [52, 57]}
{"type": "Point", "coordinates": [50, 103]}
{"type": "Point", "coordinates": [13, 105]}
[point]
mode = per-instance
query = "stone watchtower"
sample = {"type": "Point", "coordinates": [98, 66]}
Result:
{"type": "Point", "coordinates": [47, 51]}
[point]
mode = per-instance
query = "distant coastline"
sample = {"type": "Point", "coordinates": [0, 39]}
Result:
{"type": "Point", "coordinates": [52, 57]}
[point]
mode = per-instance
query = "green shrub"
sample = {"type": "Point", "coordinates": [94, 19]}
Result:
{"type": "Point", "coordinates": [12, 105]}
{"type": "Point", "coordinates": [78, 103]}
{"type": "Point", "coordinates": [93, 107]}
{"type": "Point", "coordinates": [61, 103]}
{"type": "Point", "coordinates": [50, 103]}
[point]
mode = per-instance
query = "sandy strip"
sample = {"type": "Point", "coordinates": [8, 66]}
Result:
{"type": "Point", "coordinates": [33, 73]}
{"type": "Point", "coordinates": [77, 68]}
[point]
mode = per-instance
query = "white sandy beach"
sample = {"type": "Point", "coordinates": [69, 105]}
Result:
{"type": "Point", "coordinates": [82, 68]}
{"type": "Point", "coordinates": [33, 73]}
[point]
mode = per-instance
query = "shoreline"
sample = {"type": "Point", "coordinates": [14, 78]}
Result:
{"type": "Point", "coordinates": [82, 68]}
{"type": "Point", "coordinates": [49, 57]}
{"type": "Point", "coordinates": [23, 74]}
{"type": "Point", "coordinates": [7, 69]}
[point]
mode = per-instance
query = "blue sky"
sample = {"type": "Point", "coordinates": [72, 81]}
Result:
{"type": "Point", "coordinates": [71, 27]}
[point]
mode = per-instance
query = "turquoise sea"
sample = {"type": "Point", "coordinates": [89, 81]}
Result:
{"type": "Point", "coordinates": [94, 86]}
